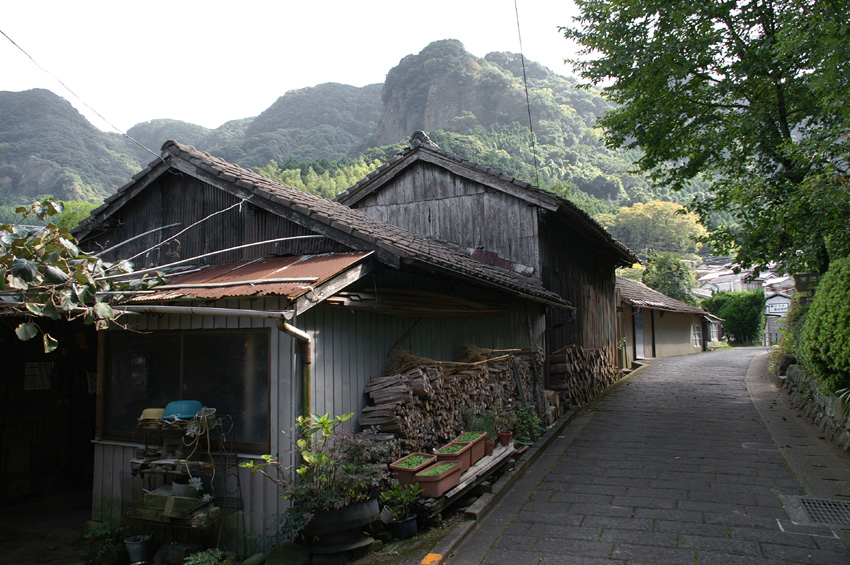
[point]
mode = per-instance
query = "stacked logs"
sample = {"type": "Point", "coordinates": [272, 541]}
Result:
{"type": "Point", "coordinates": [423, 406]}
{"type": "Point", "coordinates": [580, 374]}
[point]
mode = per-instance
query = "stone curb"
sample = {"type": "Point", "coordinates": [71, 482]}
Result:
{"type": "Point", "coordinates": [481, 507]}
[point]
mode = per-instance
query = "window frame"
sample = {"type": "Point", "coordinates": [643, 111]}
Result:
{"type": "Point", "coordinates": [136, 436]}
{"type": "Point", "coordinates": [696, 335]}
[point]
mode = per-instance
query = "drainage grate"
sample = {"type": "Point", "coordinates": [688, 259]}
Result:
{"type": "Point", "coordinates": [827, 511]}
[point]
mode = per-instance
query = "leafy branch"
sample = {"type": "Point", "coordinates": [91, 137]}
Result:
{"type": "Point", "coordinates": [44, 274]}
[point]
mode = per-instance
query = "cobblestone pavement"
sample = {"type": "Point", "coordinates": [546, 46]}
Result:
{"type": "Point", "coordinates": [674, 465]}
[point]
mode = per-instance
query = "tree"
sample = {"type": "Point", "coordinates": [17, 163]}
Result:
{"type": "Point", "coordinates": [669, 275]}
{"type": "Point", "coordinates": [752, 95]}
{"type": "Point", "coordinates": [825, 343]}
{"type": "Point", "coordinates": [660, 226]}
{"type": "Point", "coordinates": [742, 313]}
{"type": "Point", "coordinates": [43, 274]}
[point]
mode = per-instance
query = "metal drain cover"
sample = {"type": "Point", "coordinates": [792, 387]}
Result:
{"type": "Point", "coordinates": [827, 511]}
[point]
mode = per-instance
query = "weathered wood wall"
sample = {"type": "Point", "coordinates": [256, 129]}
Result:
{"type": "Point", "coordinates": [185, 200]}
{"type": "Point", "coordinates": [583, 273]}
{"type": "Point", "coordinates": [431, 201]}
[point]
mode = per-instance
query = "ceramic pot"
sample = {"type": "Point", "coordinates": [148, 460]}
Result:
{"type": "Point", "coordinates": [403, 529]}
{"type": "Point", "coordinates": [476, 446]}
{"type": "Point", "coordinates": [341, 529]}
{"type": "Point", "coordinates": [489, 446]}
{"type": "Point", "coordinates": [463, 455]}
{"type": "Point", "coordinates": [405, 475]}
{"type": "Point", "coordinates": [505, 437]}
{"type": "Point", "coordinates": [434, 486]}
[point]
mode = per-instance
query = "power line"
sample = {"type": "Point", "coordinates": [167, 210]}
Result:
{"type": "Point", "coordinates": [74, 94]}
{"type": "Point", "coordinates": [527, 99]}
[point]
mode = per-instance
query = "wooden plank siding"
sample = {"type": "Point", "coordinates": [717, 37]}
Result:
{"type": "Point", "coordinates": [431, 201]}
{"type": "Point", "coordinates": [185, 200]}
{"type": "Point", "coordinates": [584, 275]}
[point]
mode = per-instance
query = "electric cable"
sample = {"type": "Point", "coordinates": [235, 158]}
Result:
{"type": "Point", "coordinates": [75, 95]}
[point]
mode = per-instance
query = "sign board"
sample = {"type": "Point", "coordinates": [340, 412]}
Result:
{"type": "Point", "coordinates": [806, 281]}
{"type": "Point", "coordinates": [777, 308]}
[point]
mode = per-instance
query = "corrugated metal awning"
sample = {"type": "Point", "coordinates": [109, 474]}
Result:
{"type": "Point", "coordinates": [291, 277]}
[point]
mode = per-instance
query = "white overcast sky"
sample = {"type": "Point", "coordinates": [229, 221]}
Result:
{"type": "Point", "coordinates": [213, 61]}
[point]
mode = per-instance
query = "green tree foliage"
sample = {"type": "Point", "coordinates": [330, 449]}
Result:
{"type": "Point", "coordinates": [825, 344]}
{"type": "Point", "coordinates": [752, 95]}
{"type": "Point", "coordinates": [742, 312]}
{"type": "Point", "coordinates": [658, 226]}
{"type": "Point", "coordinates": [43, 274]}
{"type": "Point", "coordinates": [325, 178]}
{"type": "Point", "coordinates": [671, 276]}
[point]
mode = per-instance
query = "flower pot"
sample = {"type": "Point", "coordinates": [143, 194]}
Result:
{"type": "Point", "coordinates": [463, 455]}
{"type": "Point", "coordinates": [137, 547]}
{"type": "Point", "coordinates": [489, 446]}
{"type": "Point", "coordinates": [477, 445]}
{"type": "Point", "coordinates": [405, 475]}
{"type": "Point", "coordinates": [434, 486]}
{"type": "Point", "coordinates": [519, 452]}
{"type": "Point", "coordinates": [386, 516]}
{"type": "Point", "coordinates": [505, 437]}
{"type": "Point", "coordinates": [341, 529]}
{"type": "Point", "coordinates": [403, 529]}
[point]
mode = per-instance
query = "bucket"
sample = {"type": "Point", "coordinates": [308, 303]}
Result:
{"type": "Point", "coordinates": [137, 547]}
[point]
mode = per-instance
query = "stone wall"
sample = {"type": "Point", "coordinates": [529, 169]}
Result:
{"type": "Point", "coordinates": [825, 411]}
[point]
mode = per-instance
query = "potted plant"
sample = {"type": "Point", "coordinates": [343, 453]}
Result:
{"type": "Point", "coordinates": [504, 423]}
{"type": "Point", "coordinates": [399, 499]}
{"type": "Point", "coordinates": [476, 422]}
{"type": "Point", "coordinates": [528, 425]}
{"type": "Point", "coordinates": [476, 441]}
{"type": "Point", "coordinates": [405, 468]}
{"type": "Point", "coordinates": [455, 451]}
{"type": "Point", "coordinates": [439, 478]}
{"type": "Point", "coordinates": [333, 493]}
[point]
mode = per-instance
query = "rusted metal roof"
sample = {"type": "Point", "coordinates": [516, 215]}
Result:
{"type": "Point", "coordinates": [286, 276]}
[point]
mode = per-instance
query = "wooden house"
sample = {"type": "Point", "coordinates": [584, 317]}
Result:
{"type": "Point", "coordinates": [655, 325]}
{"type": "Point", "coordinates": [505, 222]}
{"type": "Point", "coordinates": [288, 303]}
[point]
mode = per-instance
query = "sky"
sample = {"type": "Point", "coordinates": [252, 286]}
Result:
{"type": "Point", "coordinates": [214, 61]}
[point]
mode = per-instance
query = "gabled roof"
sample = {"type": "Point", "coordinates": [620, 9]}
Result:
{"type": "Point", "coordinates": [638, 294]}
{"type": "Point", "coordinates": [391, 245]}
{"type": "Point", "coordinates": [429, 152]}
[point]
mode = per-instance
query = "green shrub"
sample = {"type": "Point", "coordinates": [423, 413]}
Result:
{"type": "Point", "coordinates": [825, 344]}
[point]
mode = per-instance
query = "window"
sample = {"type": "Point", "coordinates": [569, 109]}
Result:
{"type": "Point", "coordinates": [227, 370]}
{"type": "Point", "coordinates": [697, 334]}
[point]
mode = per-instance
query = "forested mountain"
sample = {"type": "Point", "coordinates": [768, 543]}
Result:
{"type": "Point", "coordinates": [48, 148]}
{"type": "Point", "coordinates": [473, 107]}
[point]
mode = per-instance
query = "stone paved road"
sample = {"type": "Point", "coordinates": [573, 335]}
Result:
{"type": "Point", "coordinates": [673, 466]}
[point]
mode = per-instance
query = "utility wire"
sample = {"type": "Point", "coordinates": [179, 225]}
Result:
{"type": "Point", "coordinates": [74, 94]}
{"type": "Point", "coordinates": [527, 99]}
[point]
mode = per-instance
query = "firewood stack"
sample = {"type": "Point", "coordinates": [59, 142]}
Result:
{"type": "Point", "coordinates": [580, 374]}
{"type": "Point", "coordinates": [423, 405]}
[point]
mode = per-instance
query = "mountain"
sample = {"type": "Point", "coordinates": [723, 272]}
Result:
{"type": "Point", "coordinates": [471, 106]}
{"type": "Point", "coordinates": [48, 148]}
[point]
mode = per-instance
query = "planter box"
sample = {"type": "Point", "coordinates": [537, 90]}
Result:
{"type": "Point", "coordinates": [405, 475]}
{"type": "Point", "coordinates": [463, 455]}
{"type": "Point", "coordinates": [477, 445]}
{"type": "Point", "coordinates": [434, 486]}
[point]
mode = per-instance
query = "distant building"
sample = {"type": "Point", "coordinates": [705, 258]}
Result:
{"type": "Point", "coordinates": [776, 309]}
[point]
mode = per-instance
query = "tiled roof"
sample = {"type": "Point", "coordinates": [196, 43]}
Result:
{"type": "Point", "coordinates": [536, 195]}
{"type": "Point", "coordinates": [375, 234]}
{"type": "Point", "coordinates": [638, 294]}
